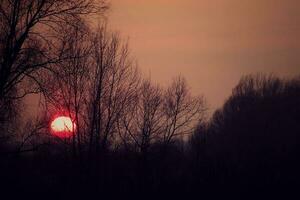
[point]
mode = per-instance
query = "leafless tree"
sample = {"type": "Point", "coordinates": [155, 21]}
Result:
{"type": "Point", "coordinates": [27, 34]}
{"type": "Point", "coordinates": [182, 111]}
{"type": "Point", "coordinates": [95, 86]}
{"type": "Point", "coordinates": [161, 115]}
{"type": "Point", "coordinates": [113, 82]}
{"type": "Point", "coordinates": [32, 136]}
{"type": "Point", "coordinates": [143, 124]}
{"type": "Point", "coordinates": [69, 79]}
{"type": "Point", "coordinates": [30, 41]}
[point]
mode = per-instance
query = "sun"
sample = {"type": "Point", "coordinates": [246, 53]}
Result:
{"type": "Point", "coordinates": [63, 126]}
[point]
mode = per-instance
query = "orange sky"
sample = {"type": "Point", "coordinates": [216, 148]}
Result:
{"type": "Point", "coordinates": [211, 42]}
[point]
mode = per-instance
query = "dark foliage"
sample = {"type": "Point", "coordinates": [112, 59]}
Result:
{"type": "Point", "coordinates": [249, 148]}
{"type": "Point", "coordinates": [131, 135]}
{"type": "Point", "coordinates": [252, 143]}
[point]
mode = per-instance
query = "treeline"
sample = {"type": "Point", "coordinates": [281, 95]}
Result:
{"type": "Point", "coordinates": [132, 135]}
{"type": "Point", "coordinates": [252, 142]}
{"type": "Point", "coordinates": [86, 74]}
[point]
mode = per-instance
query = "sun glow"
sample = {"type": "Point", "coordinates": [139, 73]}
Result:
{"type": "Point", "coordinates": [63, 126]}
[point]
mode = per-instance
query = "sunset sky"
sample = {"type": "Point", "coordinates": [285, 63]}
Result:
{"type": "Point", "coordinates": [212, 43]}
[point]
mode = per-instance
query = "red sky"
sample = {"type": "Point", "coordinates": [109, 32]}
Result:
{"type": "Point", "coordinates": [210, 42]}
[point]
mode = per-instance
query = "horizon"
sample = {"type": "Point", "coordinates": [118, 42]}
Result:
{"type": "Point", "coordinates": [136, 97]}
{"type": "Point", "coordinates": [220, 41]}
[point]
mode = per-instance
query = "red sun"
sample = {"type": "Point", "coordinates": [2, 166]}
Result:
{"type": "Point", "coordinates": [63, 127]}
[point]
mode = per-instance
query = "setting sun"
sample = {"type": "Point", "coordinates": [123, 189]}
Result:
{"type": "Point", "coordinates": [63, 126]}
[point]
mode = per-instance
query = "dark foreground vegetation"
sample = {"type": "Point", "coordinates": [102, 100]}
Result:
{"type": "Point", "coordinates": [133, 137]}
{"type": "Point", "coordinates": [249, 147]}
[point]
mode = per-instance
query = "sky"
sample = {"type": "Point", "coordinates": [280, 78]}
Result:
{"type": "Point", "coordinates": [212, 43]}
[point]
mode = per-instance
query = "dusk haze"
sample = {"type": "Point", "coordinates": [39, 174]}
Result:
{"type": "Point", "coordinates": [211, 42]}
{"type": "Point", "coordinates": [104, 99]}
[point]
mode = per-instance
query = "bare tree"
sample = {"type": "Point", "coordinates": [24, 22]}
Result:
{"type": "Point", "coordinates": [182, 111]}
{"type": "Point", "coordinates": [159, 115]}
{"type": "Point", "coordinates": [32, 136]}
{"type": "Point", "coordinates": [95, 86]}
{"type": "Point", "coordinates": [69, 79]}
{"type": "Point", "coordinates": [143, 124]}
{"type": "Point", "coordinates": [114, 80]}
{"type": "Point", "coordinates": [27, 30]}
{"type": "Point", "coordinates": [30, 41]}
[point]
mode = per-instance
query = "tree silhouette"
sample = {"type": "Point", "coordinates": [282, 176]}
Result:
{"type": "Point", "coordinates": [29, 34]}
{"type": "Point", "coordinates": [253, 139]}
{"type": "Point", "coordinates": [27, 31]}
{"type": "Point", "coordinates": [144, 124]}
{"type": "Point", "coordinates": [113, 82]}
{"type": "Point", "coordinates": [181, 110]}
{"type": "Point", "coordinates": [132, 135]}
